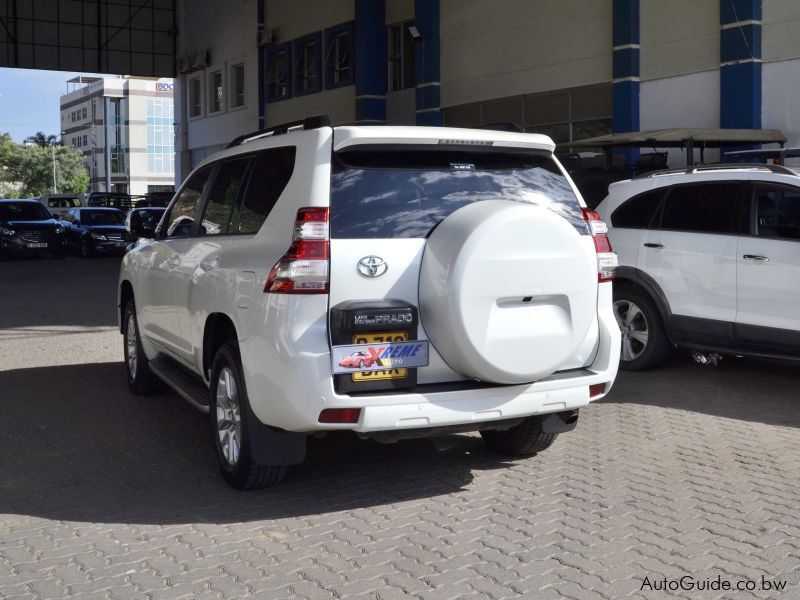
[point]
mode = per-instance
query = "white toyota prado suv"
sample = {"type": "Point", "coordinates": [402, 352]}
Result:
{"type": "Point", "coordinates": [709, 259]}
{"type": "Point", "coordinates": [394, 281]}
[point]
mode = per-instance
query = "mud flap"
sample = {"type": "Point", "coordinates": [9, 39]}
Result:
{"type": "Point", "coordinates": [560, 422]}
{"type": "Point", "coordinates": [274, 447]}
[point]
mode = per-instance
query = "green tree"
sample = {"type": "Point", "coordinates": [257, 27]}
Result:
{"type": "Point", "coordinates": [27, 170]}
{"type": "Point", "coordinates": [42, 140]}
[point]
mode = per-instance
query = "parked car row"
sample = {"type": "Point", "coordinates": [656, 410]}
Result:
{"type": "Point", "coordinates": [26, 227]}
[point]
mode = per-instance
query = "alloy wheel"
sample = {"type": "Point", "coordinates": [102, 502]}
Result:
{"type": "Point", "coordinates": [130, 345]}
{"type": "Point", "coordinates": [634, 327]}
{"type": "Point", "coordinates": [229, 416]}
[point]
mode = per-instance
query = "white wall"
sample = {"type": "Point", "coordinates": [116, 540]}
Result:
{"type": "Point", "coordinates": [338, 104]}
{"type": "Point", "coordinates": [781, 99]}
{"type": "Point", "coordinates": [683, 101]}
{"type": "Point", "coordinates": [227, 30]}
{"type": "Point", "coordinates": [492, 49]}
{"type": "Point", "coordinates": [779, 37]}
{"type": "Point", "coordinates": [292, 18]}
{"type": "Point", "coordinates": [678, 37]}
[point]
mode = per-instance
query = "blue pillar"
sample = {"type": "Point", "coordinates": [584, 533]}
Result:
{"type": "Point", "coordinates": [262, 80]}
{"type": "Point", "coordinates": [371, 54]}
{"type": "Point", "coordinates": [740, 64]}
{"type": "Point", "coordinates": [429, 105]}
{"type": "Point", "coordinates": [626, 70]}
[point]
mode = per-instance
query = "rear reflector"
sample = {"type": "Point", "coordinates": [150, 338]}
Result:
{"type": "Point", "coordinates": [340, 415]}
{"type": "Point", "coordinates": [607, 260]}
{"type": "Point", "coordinates": [304, 267]}
{"type": "Point", "coordinates": [597, 389]}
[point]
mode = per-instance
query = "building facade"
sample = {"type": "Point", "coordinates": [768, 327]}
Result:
{"type": "Point", "coordinates": [568, 68]}
{"type": "Point", "coordinates": [125, 129]}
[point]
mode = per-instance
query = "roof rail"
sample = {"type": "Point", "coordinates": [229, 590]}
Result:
{"type": "Point", "coordinates": [777, 169]}
{"type": "Point", "coordinates": [314, 122]}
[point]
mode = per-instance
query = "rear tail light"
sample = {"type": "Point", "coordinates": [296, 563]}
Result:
{"type": "Point", "coordinates": [607, 260]}
{"type": "Point", "coordinates": [340, 415]}
{"type": "Point", "coordinates": [304, 267]}
{"type": "Point", "coordinates": [597, 389]}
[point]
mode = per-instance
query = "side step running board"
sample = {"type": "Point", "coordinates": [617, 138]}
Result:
{"type": "Point", "coordinates": [188, 385]}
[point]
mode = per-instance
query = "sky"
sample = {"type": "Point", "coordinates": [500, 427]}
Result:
{"type": "Point", "coordinates": [29, 101]}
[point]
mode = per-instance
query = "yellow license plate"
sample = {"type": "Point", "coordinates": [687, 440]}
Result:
{"type": "Point", "coordinates": [377, 338]}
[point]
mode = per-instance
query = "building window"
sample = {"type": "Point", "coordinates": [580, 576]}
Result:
{"type": "Point", "coordinates": [216, 92]}
{"type": "Point", "coordinates": [160, 136]}
{"type": "Point", "coordinates": [116, 116]}
{"type": "Point", "coordinates": [339, 56]}
{"type": "Point", "coordinates": [236, 85]}
{"type": "Point", "coordinates": [402, 57]}
{"type": "Point", "coordinates": [195, 97]}
{"type": "Point", "coordinates": [84, 112]}
{"type": "Point", "coordinates": [278, 72]}
{"type": "Point", "coordinates": [307, 75]}
{"type": "Point", "coordinates": [85, 140]}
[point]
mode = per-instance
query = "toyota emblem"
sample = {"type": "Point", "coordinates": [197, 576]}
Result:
{"type": "Point", "coordinates": [372, 266]}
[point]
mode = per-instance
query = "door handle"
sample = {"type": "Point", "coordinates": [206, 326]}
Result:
{"type": "Point", "coordinates": [651, 245]}
{"type": "Point", "coordinates": [755, 257]}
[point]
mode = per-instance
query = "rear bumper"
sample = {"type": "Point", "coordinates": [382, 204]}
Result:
{"type": "Point", "coordinates": [291, 397]}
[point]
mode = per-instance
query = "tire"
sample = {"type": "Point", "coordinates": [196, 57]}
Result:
{"type": "Point", "coordinates": [229, 418]}
{"type": "Point", "coordinates": [644, 340]}
{"type": "Point", "coordinates": [86, 248]}
{"type": "Point", "coordinates": [141, 380]}
{"type": "Point", "coordinates": [525, 439]}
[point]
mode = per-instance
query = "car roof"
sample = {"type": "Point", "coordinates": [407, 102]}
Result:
{"type": "Point", "coordinates": [620, 191]}
{"type": "Point", "coordinates": [18, 200]}
{"type": "Point", "coordinates": [349, 135]}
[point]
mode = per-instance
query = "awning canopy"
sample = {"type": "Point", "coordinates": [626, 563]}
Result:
{"type": "Point", "coordinates": [681, 138]}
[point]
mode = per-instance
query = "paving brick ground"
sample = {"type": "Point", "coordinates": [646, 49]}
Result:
{"type": "Point", "coordinates": [686, 471]}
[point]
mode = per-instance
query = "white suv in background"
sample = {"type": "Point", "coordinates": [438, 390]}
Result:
{"type": "Point", "coordinates": [393, 281]}
{"type": "Point", "coordinates": [709, 259]}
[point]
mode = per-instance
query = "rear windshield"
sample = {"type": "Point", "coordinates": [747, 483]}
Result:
{"type": "Point", "coordinates": [23, 211]}
{"type": "Point", "coordinates": [404, 193]}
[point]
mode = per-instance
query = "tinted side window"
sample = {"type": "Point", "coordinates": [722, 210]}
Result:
{"type": "Point", "coordinates": [637, 213]}
{"type": "Point", "coordinates": [269, 176]}
{"type": "Point", "coordinates": [778, 211]}
{"type": "Point", "coordinates": [223, 195]}
{"type": "Point", "coordinates": [705, 208]}
{"type": "Point", "coordinates": [180, 219]}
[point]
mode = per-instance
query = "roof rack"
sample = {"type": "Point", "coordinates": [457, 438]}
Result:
{"type": "Point", "coordinates": [314, 122]}
{"type": "Point", "coordinates": [777, 169]}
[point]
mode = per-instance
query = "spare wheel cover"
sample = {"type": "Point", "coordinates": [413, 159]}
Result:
{"type": "Point", "coordinates": [507, 291]}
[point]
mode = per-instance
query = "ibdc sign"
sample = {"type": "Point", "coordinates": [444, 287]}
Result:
{"type": "Point", "coordinates": [164, 86]}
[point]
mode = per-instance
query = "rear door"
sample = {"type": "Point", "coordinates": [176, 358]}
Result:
{"type": "Point", "coordinates": [201, 256]}
{"type": "Point", "coordinates": [768, 265]}
{"type": "Point", "coordinates": [155, 299]}
{"type": "Point", "coordinates": [691, 254]}
{"type": "Point", "coordinates": [387, 199]}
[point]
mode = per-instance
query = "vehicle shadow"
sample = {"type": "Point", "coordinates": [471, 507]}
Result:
{"type": "Point", "coordinates": [42, 292]}
{"type": "Point", "coordinates": [76, 445]}
{"type": "Point", "coordinates": [747, 389]}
